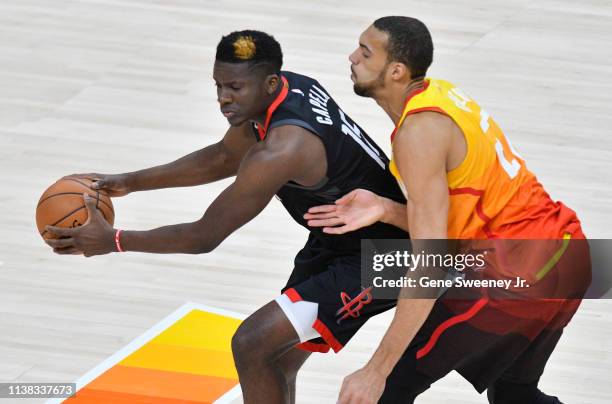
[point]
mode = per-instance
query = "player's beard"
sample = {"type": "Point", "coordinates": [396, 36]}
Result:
{"type": "Point", "coordinates": [368, 89]}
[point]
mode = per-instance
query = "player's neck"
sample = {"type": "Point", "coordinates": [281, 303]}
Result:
{"type": "Point", "coordinates": [394, 100]}
{"type": "Point", "coordinates": [261, 118]}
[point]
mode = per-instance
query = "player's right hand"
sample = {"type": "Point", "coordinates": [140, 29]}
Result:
{"type": "Point", "coordinates": [357, 209]}
{"type": "Point", "coordinates": [113, 184]}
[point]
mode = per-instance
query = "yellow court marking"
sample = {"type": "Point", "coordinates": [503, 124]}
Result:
{"type": "Point", "coordinates": [183, 359]}
{"type": "Point", "coordinates": [200, 329]}
{"type": "Point", "coordinates": [186, 357]}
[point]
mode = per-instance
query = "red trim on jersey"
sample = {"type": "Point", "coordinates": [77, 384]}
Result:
{"type": "Point", "coordinates": [277, 101]}
{"type": "Point", "coordinates": [318, 325]}
{"type": "Point", "coordinates": [327, 335]}
{"type": "Point", "coordinates": [293, 295]}
{"type": "Point", "coordinates": [435, 109]}
{"type": "Point", "coordinates": [478, 207]}
{"type": "Point", "coordinates": [449, 323]}
{"type": "Point", "coordinates": [416, 92]}
{"type": "Point", "coordinates": [415, 111]}
{"type": "Point", "coordinates": [408, 98]}
{"type": "Point", "coordinates": [313, 347]}
{"type": "Point", "coordinates": [466, 190]}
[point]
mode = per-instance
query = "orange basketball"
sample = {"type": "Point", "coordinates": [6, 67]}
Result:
{"type": "Point", "coordinates": [62, 205]}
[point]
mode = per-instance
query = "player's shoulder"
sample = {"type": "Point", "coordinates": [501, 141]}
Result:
{"type": "Point", "coordinates": [289, 145]}
{"type": "Point", "coordinates": [301, 82]}
{"type": "Point", "coordinates": [296, 77]}
{"type": "Point", "coordinates": [425, 121]}
{"type": "Point", "coordinates": [424, 129]}
{"type": "Point", "coordinates": [307, 104]}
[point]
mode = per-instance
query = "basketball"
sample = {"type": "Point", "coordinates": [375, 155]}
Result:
{"type": "Point", "coordinates": [62, 205]}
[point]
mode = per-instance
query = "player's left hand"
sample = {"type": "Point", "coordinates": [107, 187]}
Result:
{"type": "Point", "coordinates": [359, 208]}
{"type": "Point", "coordinates": [365, 386]}
{"type": "Point", "coordinates": [95, 237]}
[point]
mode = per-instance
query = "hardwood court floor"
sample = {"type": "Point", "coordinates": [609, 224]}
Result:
{"type": "Point", "coordinates": [117, 85]}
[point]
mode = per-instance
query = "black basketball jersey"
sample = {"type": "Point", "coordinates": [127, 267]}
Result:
{"type": "Point", "coordinates": [353, 159]}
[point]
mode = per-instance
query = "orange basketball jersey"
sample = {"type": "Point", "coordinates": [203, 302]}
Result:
{"type": "Point", "coordinates": [492, 193]}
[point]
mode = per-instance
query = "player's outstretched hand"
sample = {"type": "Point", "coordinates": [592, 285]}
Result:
{"type": "Point", "coordinates": [113, 184]}
{"type": "Point", "coordinates": [95, 237]}
{"type": "Point", "coordinates": [357, 209]}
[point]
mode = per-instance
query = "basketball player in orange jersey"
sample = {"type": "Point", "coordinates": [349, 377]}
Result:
{"type": "Point", "coordinates": [463, 180]}
{"type": "Point", "coordinates": [287, 138]}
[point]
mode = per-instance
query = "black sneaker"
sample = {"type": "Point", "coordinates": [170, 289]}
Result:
{"type": "Point", "coordinates": [542, 398]}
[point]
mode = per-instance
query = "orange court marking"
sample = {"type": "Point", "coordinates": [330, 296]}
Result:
{"type": "Point", "coordinates": [186, 358]}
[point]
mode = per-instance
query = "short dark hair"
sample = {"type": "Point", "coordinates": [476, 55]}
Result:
{"type": "Point", "coordinates": [256, 48]}
{"type": "Point", "coordinates": [409, 43]}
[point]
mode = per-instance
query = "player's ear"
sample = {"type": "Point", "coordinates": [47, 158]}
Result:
{"type": "Point", "coordinates": [399, 71]}
{"type": "Point", "coordinates": [272, 82]}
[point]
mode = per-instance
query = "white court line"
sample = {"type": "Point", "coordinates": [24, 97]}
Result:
{"type": "Point", "coordinates": [146, 337]}
{"type": "Point", "coordinates": [230, 396]}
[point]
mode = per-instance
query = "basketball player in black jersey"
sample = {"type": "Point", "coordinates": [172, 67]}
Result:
{"type": "Point", "coordinates": [287, 138]}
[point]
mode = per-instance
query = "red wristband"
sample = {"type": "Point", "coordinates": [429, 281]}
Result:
{"type": "Point", "coordinates": [118, 242]}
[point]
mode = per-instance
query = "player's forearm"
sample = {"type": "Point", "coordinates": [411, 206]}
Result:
{"type": "Point", "coordinates": [411, 312]}
{"type": "Point", "coordinates": [186, 238]}
{"type": "Point", "coordinates": [428, 221]}
{"type": "Point", "coordinates": [229, 211]}
{"type": "Point", "coordinates": [410, 315]}
{"type": "Point", "coordinates": [394, 214]}
{"type": "Point", "coordinates": [207, 165]}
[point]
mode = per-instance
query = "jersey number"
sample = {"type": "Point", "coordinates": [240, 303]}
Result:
{"type": "Point", "coordinates": [352, 130]}
{"type": "Point", "coordinates": [511, 167]}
